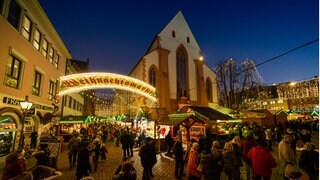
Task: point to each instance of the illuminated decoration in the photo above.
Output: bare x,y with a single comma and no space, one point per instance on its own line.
84,81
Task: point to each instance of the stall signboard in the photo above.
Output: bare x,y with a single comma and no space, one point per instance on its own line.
197,132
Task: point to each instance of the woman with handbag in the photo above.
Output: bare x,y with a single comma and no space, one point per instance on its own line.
192,166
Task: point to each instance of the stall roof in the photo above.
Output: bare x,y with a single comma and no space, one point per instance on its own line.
178,118
77,119
207,112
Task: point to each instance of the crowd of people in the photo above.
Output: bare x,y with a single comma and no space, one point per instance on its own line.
250,146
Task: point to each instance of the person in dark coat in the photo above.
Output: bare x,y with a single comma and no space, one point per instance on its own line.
125,141
33,136
15,165
83,165
309,161
169,143
97,150
218,159
148,158
42,155
178,155
208,163
131,144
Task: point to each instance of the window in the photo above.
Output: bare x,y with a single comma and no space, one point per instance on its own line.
1,6
56,61
36,39
74,104
36,83
52,90
188,39
70,102
14,14
51,55
152,77
181,72
173,34
65,100
26,28
209,89
13,71
44,49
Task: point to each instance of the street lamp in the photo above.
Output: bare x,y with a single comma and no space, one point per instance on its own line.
25,106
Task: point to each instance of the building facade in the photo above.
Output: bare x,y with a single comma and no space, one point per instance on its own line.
32,58
173,64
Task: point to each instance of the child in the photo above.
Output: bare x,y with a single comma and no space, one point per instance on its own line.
104,152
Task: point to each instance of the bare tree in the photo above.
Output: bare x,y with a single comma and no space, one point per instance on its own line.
237,83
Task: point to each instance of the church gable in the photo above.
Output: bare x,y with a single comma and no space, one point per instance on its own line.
178,30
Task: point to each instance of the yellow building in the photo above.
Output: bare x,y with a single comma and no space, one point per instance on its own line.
174,65
32,58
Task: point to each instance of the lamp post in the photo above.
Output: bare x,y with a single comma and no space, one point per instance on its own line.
25,106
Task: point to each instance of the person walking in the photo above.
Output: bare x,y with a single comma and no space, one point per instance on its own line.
178,156
218,159
34,137
193,162
208,163
246,145
83,165
125,142
73,147
286,153
231,162
169,143
97,150
148,158
261,160
309,161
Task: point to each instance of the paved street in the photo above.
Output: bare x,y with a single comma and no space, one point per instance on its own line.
163,170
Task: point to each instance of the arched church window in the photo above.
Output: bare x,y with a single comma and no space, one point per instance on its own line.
173,34
152,77
181,69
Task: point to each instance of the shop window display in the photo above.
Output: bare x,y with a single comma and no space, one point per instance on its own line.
8,130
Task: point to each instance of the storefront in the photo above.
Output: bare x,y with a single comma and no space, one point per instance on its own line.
8,130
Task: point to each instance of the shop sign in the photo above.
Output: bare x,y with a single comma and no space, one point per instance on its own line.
84,81
13,101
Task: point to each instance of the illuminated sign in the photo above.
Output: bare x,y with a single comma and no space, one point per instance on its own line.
84,81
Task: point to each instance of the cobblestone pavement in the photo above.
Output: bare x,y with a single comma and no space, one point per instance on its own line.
163,170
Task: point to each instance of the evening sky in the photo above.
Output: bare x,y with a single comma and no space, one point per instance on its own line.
115,34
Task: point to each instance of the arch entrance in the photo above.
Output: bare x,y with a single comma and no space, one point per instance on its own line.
85,81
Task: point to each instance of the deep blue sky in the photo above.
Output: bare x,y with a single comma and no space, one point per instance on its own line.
115,34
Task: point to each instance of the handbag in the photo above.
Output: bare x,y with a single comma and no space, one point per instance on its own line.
199,168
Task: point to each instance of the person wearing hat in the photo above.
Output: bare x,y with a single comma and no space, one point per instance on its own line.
309,161
286,154
148,158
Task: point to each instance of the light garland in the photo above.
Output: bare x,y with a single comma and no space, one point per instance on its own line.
85,81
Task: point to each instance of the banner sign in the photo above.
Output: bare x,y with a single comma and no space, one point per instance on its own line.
84,81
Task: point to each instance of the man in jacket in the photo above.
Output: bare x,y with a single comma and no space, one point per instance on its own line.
148,158
286,154
178,155
83,165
